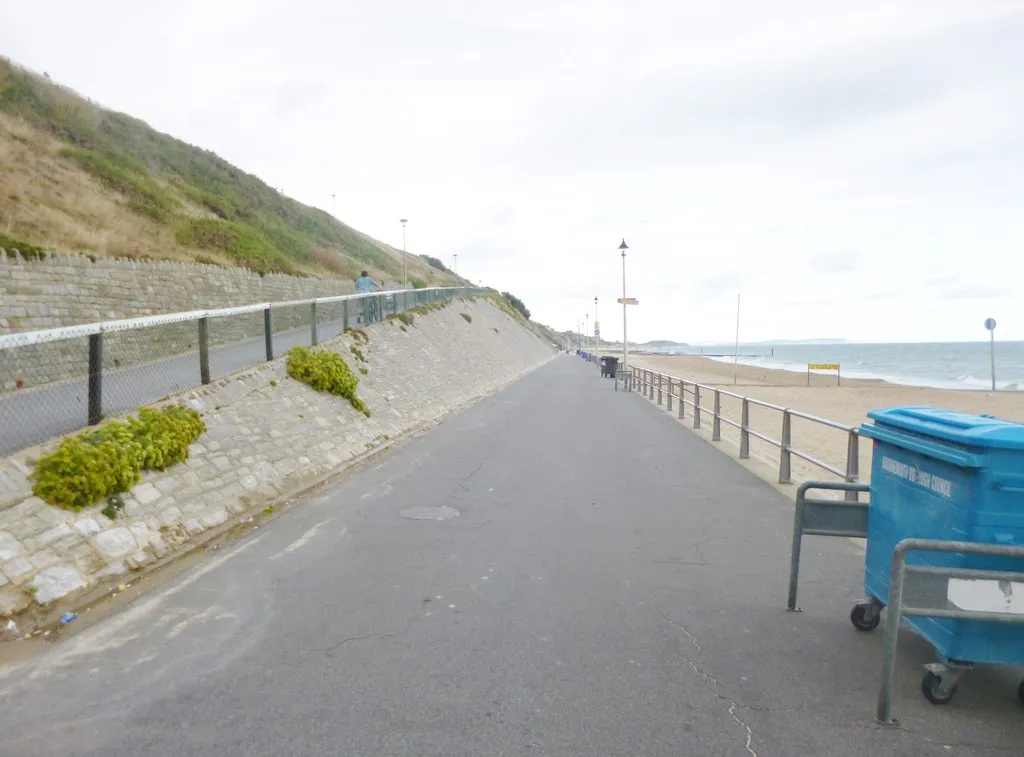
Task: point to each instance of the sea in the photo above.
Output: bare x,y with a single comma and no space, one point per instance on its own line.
944,365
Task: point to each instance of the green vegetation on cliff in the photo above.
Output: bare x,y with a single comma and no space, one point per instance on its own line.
206,203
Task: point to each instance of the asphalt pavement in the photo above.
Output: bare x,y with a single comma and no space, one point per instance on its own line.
559,570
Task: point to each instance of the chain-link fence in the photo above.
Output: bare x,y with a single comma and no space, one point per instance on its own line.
58,381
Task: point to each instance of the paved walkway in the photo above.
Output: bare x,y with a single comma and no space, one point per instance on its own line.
612,585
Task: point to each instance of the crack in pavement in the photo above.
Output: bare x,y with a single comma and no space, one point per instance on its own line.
380,635
734,706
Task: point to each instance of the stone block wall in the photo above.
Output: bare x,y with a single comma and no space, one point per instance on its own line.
68,290
267,436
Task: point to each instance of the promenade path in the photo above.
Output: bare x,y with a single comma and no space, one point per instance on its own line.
610,585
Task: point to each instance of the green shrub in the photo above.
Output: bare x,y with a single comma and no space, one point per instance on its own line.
467,317
357,353
418,283
28,251
325,371
109,460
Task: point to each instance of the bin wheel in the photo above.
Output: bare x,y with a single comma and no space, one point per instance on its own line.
865,617
931,687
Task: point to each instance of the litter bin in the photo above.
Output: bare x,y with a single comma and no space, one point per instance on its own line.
950,476
609,365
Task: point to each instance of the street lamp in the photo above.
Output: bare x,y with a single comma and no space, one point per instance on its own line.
455,264
625,341
586,334
405,255
597,329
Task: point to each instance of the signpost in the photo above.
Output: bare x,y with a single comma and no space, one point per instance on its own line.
628,301
990,324
823,367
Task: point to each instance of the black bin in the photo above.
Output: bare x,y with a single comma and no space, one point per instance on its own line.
609,365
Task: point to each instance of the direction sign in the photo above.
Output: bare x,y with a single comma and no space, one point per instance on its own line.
990,324
628,301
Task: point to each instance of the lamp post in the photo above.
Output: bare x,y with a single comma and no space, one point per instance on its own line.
597,329
586,334
625,340
455,264
405,255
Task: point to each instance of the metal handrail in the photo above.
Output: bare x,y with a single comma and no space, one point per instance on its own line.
25,338
648,381
400,299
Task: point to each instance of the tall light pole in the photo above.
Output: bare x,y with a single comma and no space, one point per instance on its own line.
625,339
405,255
990,324
334,206
455,264
586,334
597,329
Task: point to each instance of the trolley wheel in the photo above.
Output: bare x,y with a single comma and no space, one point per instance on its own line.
931,687
865,617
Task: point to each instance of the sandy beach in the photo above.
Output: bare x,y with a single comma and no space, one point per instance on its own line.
847,404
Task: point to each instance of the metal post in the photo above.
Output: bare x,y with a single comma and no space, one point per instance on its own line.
312,324
852,464
95,378
785,475
716,426
661,384
671,384
682,399
204,351
344,315
796,544
268,332
992,355
892,635
745,430
696,405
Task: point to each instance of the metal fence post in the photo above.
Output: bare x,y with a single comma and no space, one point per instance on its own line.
344,316
745,430
204,351
696,405
682,399
268,332
785,474
716,426
852,463
668,399
661,384
312,324
95,378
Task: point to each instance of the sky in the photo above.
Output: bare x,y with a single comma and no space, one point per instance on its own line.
851,170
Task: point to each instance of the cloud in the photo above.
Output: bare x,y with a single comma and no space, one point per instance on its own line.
840,261
982,292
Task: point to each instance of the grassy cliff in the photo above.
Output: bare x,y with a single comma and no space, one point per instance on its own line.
81,178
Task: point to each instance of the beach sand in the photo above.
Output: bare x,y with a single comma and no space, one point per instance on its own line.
847,404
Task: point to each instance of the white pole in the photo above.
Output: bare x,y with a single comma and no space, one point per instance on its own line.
736,352
625,338
992,356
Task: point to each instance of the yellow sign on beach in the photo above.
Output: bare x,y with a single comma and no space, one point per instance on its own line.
823,367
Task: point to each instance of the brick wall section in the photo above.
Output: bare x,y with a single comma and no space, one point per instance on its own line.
263,442
67,290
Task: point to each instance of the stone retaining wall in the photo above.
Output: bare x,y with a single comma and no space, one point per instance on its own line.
67,290
267,436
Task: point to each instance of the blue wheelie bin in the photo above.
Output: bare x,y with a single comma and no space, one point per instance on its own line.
944,475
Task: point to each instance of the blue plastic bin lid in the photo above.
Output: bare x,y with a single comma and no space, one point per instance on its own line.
953,426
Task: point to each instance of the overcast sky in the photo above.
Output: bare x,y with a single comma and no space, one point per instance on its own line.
854,169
